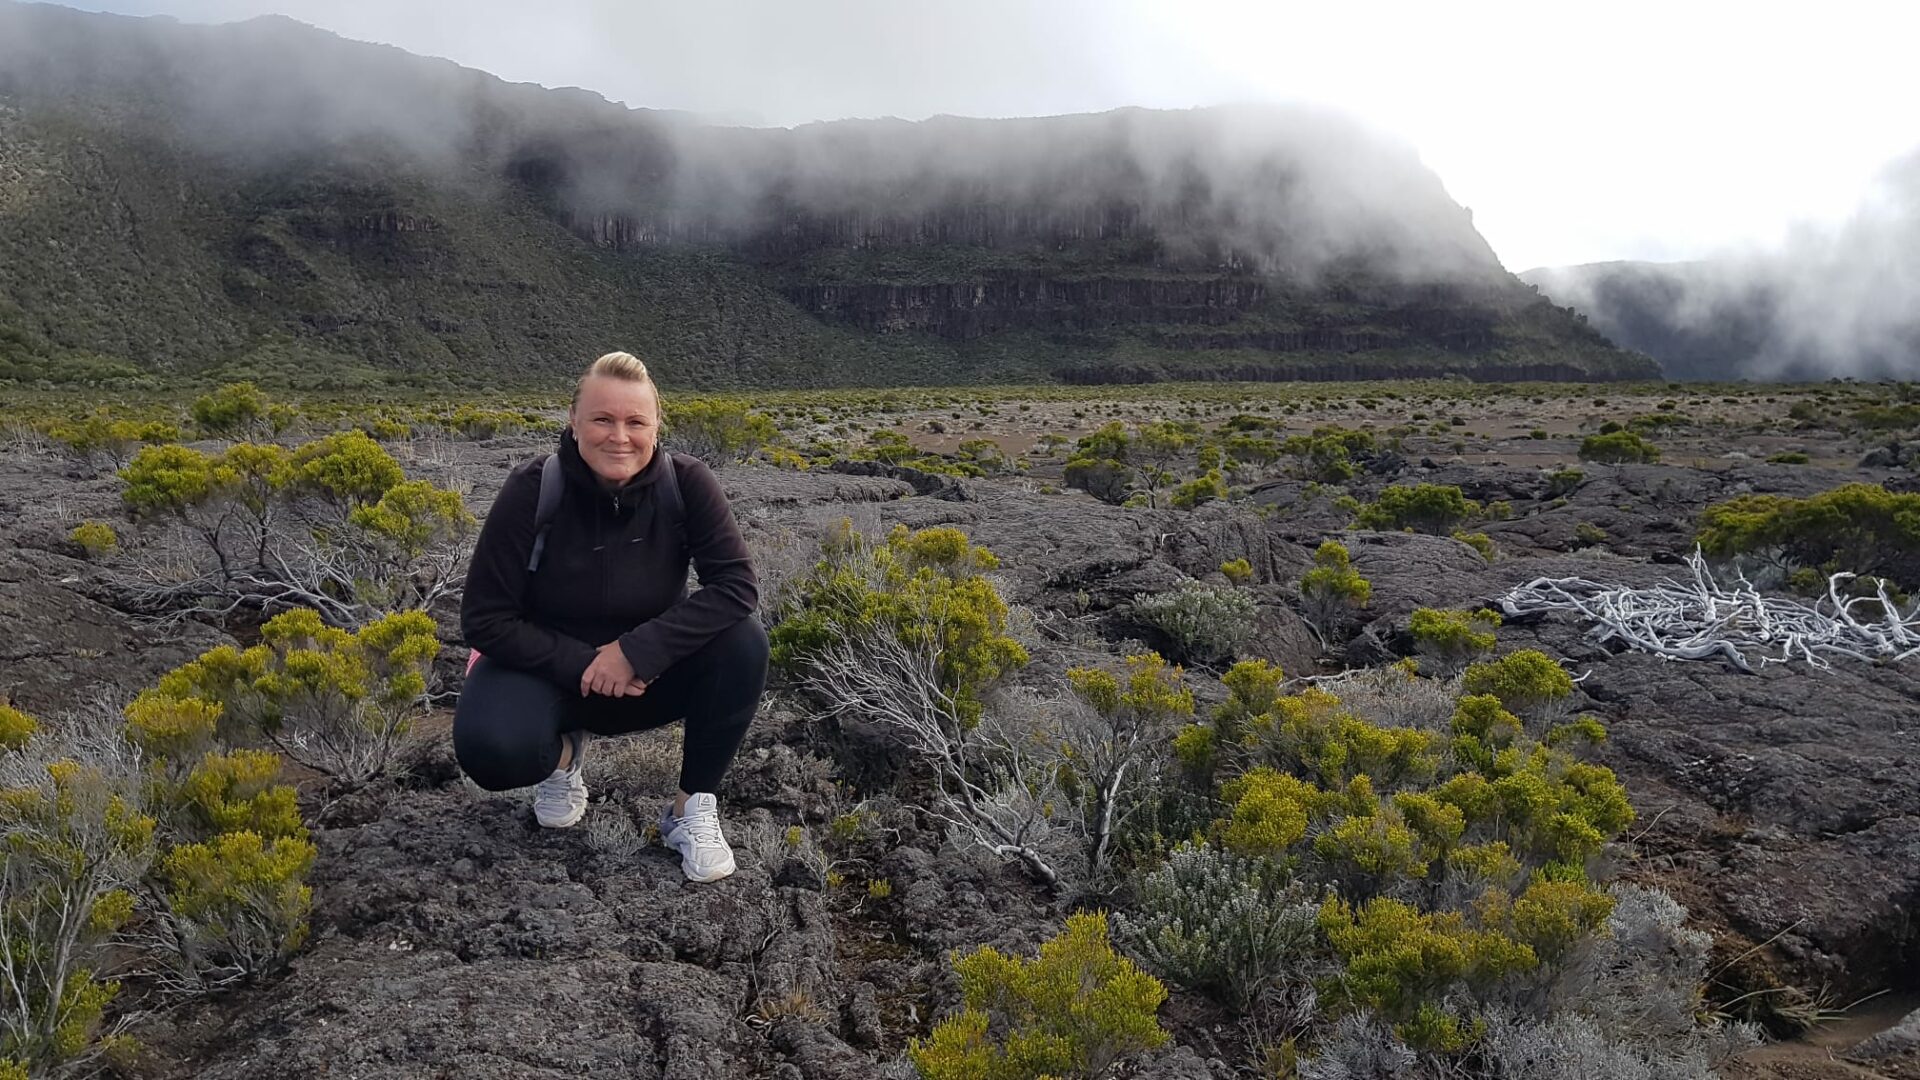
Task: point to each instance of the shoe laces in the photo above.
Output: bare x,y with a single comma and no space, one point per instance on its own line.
703,827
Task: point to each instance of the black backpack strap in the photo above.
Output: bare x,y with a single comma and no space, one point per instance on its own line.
676,507
552,485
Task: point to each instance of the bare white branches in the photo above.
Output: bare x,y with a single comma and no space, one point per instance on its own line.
990,787
1702,619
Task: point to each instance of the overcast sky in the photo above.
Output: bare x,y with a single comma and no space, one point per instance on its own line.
1627,129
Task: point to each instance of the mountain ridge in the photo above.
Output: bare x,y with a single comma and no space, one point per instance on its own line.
268,199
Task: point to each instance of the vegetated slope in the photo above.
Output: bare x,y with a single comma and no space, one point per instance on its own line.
268,199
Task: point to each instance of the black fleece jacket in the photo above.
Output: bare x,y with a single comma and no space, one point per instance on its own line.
609,571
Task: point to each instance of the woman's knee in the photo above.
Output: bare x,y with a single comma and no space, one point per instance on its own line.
498,738
494,759
743,651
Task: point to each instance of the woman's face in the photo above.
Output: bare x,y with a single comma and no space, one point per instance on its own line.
616,423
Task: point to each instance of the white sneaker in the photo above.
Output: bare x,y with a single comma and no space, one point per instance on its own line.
561,799
704,853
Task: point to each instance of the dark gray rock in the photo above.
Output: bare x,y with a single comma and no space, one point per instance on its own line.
1896,1047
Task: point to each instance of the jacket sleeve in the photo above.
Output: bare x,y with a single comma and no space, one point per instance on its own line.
491,616
728,589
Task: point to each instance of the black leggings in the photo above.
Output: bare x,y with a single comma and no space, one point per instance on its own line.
507,725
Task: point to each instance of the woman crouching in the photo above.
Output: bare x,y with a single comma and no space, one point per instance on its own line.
584,623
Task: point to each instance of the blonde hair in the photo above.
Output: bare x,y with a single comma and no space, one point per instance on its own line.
616,365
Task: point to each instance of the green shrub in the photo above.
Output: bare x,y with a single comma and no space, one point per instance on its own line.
985,454
1102,760
76,847
16,728
385,428
346,468
1453,638
102,433
1618,447
1076,1010
719,431
1525,681
167,479
1326,456
1562,482
1333,589
240,901
415,515
1099,464
781,457
334,524
1238,571
1587,534
1402,963
1857,528
1429,508
336,701
1205,488
923,587
1887,417
231,410
1788,457
1310,734
1221,923
96,538
1478,541
1199,623
1658,423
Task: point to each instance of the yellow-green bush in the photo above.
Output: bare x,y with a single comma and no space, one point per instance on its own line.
1238,571
717,430
231,409
781,457
1857,528
167,479
1075,1010
415,516
1333,588
233,875
1101,760
1452,638
333,523
1205,488
1618,447
16,728
240,791
73,843
347,467
1401,961
1428,508
1525,681
353,694
96,538
101,432
924,587
242,900
1479,542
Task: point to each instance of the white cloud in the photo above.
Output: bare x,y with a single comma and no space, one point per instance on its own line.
1629,129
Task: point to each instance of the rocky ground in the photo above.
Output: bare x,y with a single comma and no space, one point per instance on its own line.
454,938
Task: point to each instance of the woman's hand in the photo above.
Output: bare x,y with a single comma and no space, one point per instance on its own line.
610,674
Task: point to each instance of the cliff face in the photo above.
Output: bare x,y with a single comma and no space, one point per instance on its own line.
266,198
